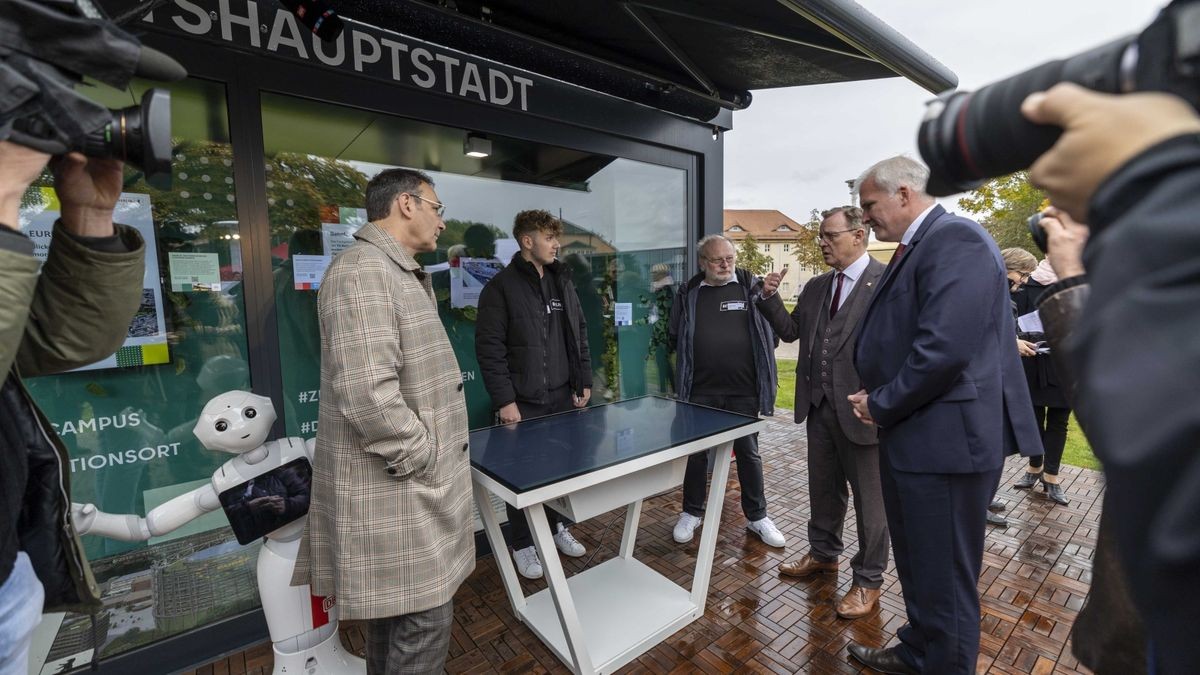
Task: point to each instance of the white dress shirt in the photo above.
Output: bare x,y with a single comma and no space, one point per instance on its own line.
852,274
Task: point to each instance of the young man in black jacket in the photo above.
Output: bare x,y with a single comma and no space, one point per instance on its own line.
531,342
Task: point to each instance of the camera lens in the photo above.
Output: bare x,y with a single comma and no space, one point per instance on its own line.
140,135
1037,232
967,137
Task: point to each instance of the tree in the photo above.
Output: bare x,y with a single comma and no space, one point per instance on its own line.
751,259
808,251
1005,203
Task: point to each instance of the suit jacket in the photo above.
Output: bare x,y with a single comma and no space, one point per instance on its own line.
802,325
389,525
937,354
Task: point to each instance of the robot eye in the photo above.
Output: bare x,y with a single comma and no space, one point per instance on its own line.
250,413
222,425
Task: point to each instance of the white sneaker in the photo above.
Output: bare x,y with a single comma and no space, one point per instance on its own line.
767,531
568,544
528,563
685,527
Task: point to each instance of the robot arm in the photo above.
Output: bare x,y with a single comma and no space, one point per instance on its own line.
161,520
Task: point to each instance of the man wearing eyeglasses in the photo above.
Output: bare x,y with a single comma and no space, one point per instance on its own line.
726,359
389,525
841,450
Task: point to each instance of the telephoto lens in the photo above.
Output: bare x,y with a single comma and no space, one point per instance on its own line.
140,135
969,137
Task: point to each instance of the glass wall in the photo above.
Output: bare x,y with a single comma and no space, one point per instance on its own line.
127,421
625,235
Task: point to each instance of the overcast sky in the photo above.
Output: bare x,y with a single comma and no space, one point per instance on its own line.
793,149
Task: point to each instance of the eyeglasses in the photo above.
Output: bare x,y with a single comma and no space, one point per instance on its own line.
832,234
728,260
438,207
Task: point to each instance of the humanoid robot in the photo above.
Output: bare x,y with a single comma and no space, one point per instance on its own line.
264,491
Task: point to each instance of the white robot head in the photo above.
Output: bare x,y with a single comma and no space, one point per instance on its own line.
235,422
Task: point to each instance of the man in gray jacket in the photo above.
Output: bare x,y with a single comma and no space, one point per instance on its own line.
841,450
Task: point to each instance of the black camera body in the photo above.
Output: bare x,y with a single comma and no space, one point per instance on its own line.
47,47
968,137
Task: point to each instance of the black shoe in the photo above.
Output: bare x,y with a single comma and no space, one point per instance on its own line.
996,519
1028,480
1054,493
996,506
883,660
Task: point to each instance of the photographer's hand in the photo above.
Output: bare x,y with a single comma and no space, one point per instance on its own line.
88,189
1065,240
1100,133
19,167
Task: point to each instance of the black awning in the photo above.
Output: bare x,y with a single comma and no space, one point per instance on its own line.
687,57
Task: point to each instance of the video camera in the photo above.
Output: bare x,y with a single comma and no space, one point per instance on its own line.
967,138
47,47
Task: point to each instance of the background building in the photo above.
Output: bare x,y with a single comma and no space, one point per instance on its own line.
776,235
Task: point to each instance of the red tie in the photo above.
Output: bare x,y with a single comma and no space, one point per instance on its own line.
837,295
899,251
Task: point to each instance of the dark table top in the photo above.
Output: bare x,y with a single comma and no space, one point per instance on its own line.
538,452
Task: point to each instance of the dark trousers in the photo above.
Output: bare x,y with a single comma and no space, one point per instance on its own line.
557,400
834,461
1053,424
937,523
410,643
749,464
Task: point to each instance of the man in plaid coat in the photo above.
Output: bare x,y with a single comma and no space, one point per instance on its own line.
389,527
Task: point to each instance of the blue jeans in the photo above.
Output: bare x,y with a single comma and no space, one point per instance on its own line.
20,612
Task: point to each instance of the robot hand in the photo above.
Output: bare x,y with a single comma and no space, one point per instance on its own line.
90,520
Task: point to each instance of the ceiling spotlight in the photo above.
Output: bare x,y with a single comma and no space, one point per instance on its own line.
477,145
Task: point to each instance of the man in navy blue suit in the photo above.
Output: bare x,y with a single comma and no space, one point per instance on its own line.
943,382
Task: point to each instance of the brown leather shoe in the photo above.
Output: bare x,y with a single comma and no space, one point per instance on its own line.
806,566
858,602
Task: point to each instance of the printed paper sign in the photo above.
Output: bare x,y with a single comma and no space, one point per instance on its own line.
146,340
308,270
194,272
337,237
623,313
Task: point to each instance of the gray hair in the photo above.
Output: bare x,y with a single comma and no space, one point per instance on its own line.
895,172
852,214
709,240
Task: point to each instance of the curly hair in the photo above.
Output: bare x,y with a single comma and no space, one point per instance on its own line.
536,220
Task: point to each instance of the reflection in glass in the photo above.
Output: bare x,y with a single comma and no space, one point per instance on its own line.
622,219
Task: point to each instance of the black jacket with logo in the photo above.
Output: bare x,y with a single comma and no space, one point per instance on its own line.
512,328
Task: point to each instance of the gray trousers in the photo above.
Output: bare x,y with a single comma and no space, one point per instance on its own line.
834,461
410,643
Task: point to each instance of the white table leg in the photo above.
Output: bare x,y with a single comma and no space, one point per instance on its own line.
495,537
633,513
709,530
568,617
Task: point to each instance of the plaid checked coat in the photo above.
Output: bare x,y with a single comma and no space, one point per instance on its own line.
389,524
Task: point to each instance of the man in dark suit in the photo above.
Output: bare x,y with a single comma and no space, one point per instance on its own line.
840,449
943,382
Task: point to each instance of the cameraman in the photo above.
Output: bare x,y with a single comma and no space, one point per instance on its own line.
1130,166
75,312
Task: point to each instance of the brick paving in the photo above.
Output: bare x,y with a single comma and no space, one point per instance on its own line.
1035,576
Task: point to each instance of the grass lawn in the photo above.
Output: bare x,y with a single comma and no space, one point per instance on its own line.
1077,453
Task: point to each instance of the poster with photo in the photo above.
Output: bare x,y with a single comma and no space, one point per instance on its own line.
468,277
146,341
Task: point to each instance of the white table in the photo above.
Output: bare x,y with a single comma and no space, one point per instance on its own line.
617,455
